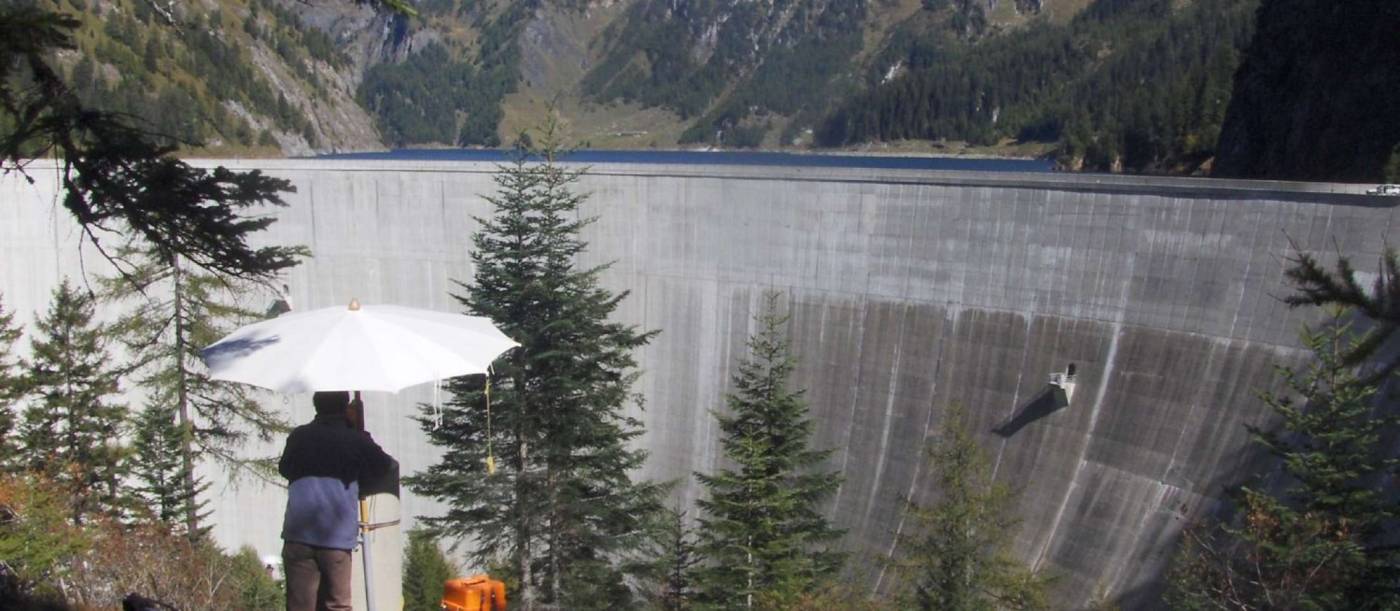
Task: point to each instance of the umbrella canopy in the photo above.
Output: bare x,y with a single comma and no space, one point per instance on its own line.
370,347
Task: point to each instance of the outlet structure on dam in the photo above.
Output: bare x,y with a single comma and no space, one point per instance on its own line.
909,291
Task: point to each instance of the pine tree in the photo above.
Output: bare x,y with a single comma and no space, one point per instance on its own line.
425,570
72,431
665,564
1322,537
11,388
957,550
159,470
762,535
1391,171
176,312
677,563
257,590
562,505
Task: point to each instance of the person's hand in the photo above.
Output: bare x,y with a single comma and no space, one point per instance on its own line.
355,413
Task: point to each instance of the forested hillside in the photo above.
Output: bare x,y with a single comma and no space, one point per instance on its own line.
1318,95
1138,85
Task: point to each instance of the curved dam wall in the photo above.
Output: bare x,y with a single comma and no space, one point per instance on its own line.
909,291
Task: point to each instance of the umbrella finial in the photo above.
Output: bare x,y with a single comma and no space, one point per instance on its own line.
354,304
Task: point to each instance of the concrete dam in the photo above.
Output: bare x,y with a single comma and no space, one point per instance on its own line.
909,291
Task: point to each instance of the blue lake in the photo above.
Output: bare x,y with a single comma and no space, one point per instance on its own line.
724,158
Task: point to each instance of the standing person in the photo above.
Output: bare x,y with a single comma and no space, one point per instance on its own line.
323,463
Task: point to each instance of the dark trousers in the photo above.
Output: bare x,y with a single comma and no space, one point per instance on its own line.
318,579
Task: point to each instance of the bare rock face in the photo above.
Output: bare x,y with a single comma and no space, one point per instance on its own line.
1317,95
550,51
342,123
368,36
337,121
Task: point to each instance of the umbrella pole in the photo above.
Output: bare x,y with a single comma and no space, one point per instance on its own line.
365,555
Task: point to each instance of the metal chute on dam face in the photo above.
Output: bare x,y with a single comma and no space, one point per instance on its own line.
909,290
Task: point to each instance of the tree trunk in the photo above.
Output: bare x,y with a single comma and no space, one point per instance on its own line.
522,528
748,577
183,401
555,524
70,453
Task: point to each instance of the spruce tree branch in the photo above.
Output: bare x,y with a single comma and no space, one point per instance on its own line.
113,172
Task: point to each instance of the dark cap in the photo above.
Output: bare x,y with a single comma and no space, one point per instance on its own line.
330,402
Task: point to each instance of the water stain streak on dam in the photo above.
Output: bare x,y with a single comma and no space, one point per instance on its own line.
909,291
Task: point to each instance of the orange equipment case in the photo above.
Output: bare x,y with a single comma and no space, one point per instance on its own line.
475,593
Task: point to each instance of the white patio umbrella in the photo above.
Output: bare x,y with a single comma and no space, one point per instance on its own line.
369,347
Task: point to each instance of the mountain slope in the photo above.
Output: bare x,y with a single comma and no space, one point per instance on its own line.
1135,84
725,61
1318,95
233,75
449,89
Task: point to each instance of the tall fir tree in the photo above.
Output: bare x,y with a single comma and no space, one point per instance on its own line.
957,551
425,570
176,311
665,564
158,448
11,388
563,505
763,537
73,429
676,563
1320,534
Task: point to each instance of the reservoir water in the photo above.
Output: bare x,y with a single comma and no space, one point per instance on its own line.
746,158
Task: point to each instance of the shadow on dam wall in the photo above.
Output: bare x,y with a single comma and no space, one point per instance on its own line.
909,291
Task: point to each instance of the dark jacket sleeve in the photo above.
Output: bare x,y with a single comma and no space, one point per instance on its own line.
286,465
373,460
379,472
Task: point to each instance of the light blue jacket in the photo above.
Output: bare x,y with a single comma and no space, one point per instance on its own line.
322,512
